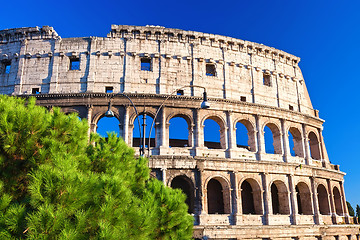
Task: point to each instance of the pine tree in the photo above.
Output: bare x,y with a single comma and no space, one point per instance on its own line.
358,212
56,184
350,209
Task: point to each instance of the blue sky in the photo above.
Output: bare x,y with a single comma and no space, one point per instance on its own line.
324,34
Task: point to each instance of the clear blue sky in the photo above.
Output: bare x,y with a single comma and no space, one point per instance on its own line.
324,34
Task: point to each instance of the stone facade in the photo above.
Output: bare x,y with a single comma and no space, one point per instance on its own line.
234,192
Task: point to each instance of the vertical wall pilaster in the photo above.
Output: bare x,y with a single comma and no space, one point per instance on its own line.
343,201
315,201
126,125
285,140
331,201
306,146
260,138
293,199
266,194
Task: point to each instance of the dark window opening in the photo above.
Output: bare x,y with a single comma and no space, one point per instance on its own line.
7,67
275,199
210,70
323,200
247,198
74,64
298,198
215,197
109,89
180,92
182,183
291,107
35,91
243,98
267,80
146,64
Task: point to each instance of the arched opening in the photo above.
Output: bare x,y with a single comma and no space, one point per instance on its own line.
137,142
215,197
186,186
279,198
272,139
295,142
179,132
242,136
214,133
323,200
251,197
247,198
303,197
337,200
106,125
314,146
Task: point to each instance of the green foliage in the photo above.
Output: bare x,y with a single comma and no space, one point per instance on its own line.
350,209
56,183
358,212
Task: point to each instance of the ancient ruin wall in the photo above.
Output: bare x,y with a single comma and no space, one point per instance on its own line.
246,82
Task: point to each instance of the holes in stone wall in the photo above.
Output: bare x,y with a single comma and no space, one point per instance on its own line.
74,63
6,66
179,132
109,89
267,79
337,201
279,198
242,136
214,134
303,197
243,98
215,197
314,146
323,200
272,139
210,70
107,125
35,91
186,186
146,64
137,142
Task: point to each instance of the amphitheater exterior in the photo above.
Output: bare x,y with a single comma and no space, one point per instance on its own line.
234,192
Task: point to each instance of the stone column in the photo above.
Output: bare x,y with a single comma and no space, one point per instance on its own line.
260,138
315,201
163,171
231,131
234,196
306,146
331,201
21,65
285,139
198,134
89,117
163,132
126,125
266,196
293,199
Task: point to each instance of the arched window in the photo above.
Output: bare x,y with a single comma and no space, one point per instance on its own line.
272,139
178,132
137,142
185,184
303,197
251,197
295,142
323,200
215,197
106,125
314,146
242,136
337,200
214,134
279,198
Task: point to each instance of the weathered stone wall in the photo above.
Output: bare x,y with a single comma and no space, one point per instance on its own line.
234,192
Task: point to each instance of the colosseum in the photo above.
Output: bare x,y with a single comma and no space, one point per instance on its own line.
234,191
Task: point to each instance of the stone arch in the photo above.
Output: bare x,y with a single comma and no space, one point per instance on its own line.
221,122
279,198
177,142
102,124
297,142
314,145
303,197
187,187
337,201
322,194
250,127
218,195
251,200
276,138
133,127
